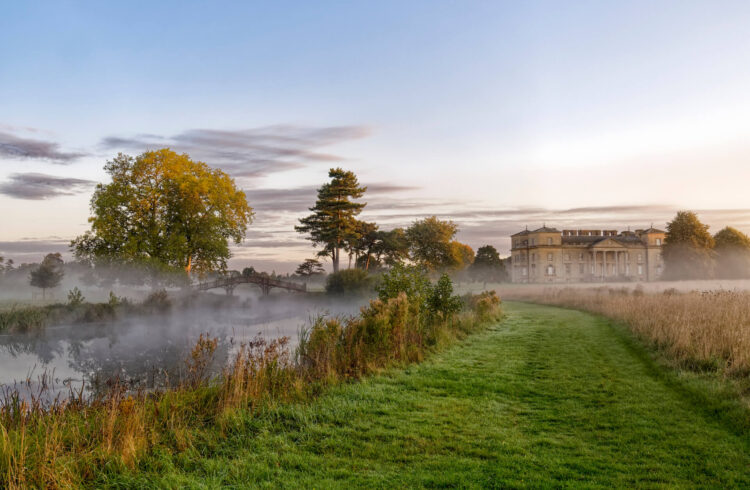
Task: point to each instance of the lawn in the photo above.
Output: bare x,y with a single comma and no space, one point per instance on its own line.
548,397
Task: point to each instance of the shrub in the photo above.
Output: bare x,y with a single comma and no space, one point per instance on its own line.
114,301
408,279
441,301
349,281
158,301
75,297
484,304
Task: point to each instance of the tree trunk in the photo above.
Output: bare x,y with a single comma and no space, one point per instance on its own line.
335,260
189,265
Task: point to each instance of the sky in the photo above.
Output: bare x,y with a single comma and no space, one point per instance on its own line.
498,115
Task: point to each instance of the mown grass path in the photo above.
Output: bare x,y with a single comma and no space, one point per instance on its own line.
548,397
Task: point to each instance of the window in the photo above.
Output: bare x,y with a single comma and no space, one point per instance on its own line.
567,257
567,269
533,257
533,240
640,257
523,271
550,270
640,270
580,269
592,268
549,257
658,241
627,269
580,257
549,241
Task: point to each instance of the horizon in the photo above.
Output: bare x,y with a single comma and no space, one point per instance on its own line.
494,115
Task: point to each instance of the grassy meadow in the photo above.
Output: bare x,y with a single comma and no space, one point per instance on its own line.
548,397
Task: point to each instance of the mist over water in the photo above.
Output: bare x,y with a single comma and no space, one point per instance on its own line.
149,351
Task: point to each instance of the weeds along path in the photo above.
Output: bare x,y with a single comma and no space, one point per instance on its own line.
547,397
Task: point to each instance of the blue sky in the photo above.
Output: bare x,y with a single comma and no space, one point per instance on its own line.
497,114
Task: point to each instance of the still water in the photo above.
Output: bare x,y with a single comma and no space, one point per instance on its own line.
146,351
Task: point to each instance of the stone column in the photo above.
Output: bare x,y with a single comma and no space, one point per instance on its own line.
617,263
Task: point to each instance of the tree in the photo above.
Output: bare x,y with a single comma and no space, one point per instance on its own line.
732,248
164,209
310,267
488,266
384,248
364,243
687,249
461,255
333,221
49,273
430,242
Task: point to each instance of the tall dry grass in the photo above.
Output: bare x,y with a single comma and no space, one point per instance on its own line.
67,442
698,330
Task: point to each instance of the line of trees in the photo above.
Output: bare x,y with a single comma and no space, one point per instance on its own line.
164,215
691,252
335,228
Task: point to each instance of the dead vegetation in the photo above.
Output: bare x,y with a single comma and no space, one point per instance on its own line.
699,330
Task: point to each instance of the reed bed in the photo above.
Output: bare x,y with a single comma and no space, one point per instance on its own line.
73,441
707,330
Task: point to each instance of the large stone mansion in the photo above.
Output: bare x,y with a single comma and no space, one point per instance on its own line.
549,255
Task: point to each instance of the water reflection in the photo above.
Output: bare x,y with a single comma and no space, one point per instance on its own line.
146,351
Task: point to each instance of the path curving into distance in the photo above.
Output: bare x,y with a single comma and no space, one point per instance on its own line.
548,397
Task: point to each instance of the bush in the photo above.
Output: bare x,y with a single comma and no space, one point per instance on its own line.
75,297
158,301
484,304
441,300
408,279
349,281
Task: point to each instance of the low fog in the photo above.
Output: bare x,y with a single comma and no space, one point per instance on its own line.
147,349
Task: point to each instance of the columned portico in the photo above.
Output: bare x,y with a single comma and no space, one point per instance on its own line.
548,255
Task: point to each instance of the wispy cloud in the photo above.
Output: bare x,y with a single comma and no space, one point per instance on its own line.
249,152
32,249
35,186
12,146
299,199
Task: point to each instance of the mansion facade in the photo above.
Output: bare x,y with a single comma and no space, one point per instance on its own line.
549,255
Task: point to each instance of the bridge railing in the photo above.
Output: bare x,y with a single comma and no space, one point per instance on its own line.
263,281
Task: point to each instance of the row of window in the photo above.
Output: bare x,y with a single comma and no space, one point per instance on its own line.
550,270
520,243
550,257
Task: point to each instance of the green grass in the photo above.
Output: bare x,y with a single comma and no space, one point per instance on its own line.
548,397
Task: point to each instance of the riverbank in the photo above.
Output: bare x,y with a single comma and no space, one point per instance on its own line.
70,443
548,397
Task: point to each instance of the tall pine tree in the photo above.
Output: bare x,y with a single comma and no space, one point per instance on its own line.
333,222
